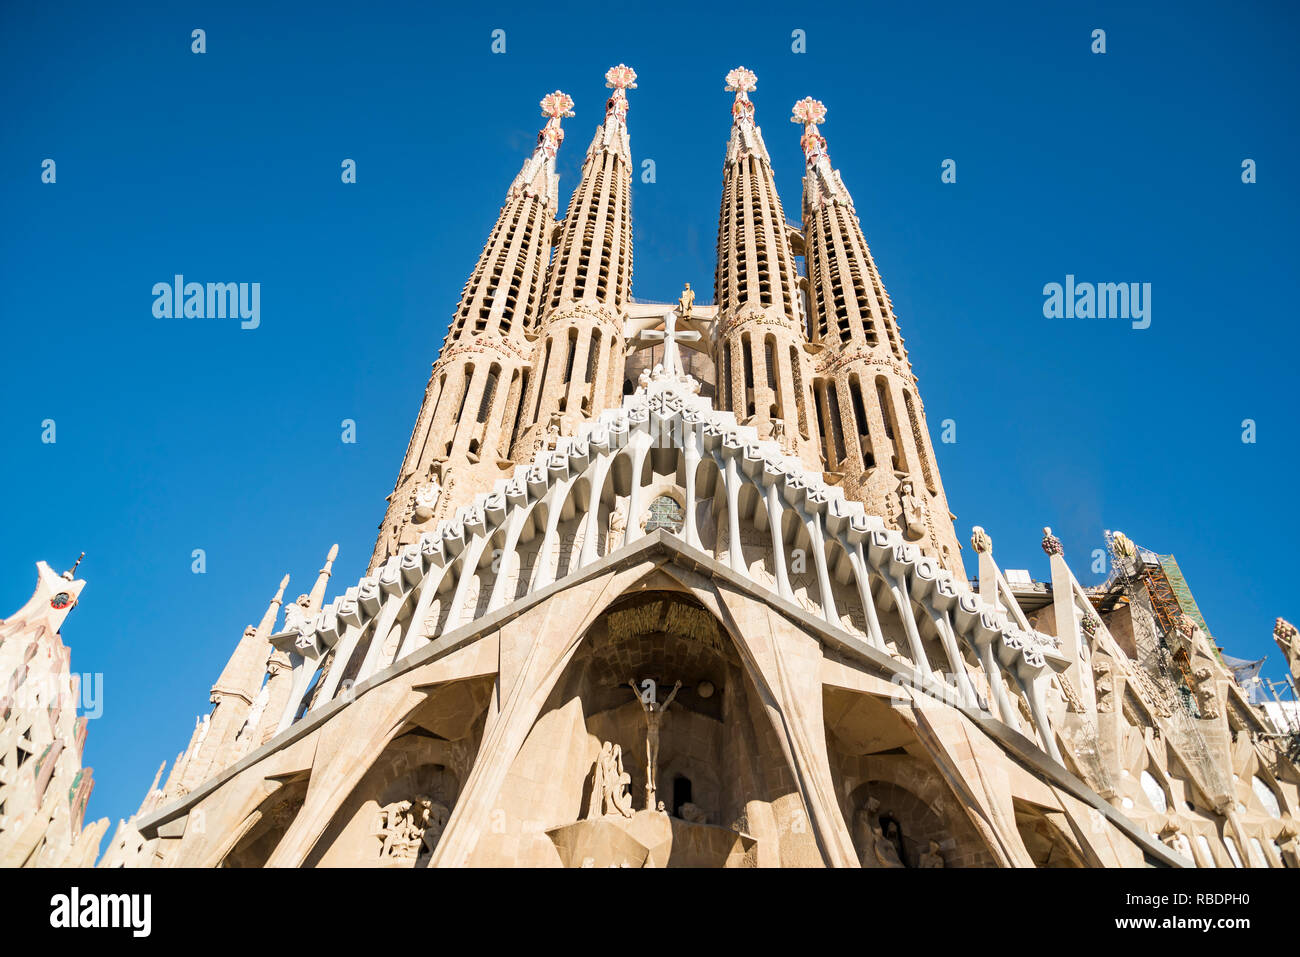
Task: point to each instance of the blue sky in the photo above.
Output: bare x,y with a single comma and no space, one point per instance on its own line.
178,434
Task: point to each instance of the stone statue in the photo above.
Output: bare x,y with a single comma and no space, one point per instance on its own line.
409,829
980,541
609,786
686,302
883,848
295,615
654,713
553,431
617,526
780,437
426,500
932,858
913,508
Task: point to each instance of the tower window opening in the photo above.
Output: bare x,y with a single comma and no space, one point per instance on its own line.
460,406
726,357
891,425
819,401
800,401
572,350
860,417
541,379
516,404
748,353
489,394
837,427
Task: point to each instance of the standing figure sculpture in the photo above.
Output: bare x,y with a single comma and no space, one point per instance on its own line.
654,712
609,793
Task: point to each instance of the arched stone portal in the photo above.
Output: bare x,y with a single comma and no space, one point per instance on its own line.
266,826
715,739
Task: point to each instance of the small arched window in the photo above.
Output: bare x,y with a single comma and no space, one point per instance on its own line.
665,512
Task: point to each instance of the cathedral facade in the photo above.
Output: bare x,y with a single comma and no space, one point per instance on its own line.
678,585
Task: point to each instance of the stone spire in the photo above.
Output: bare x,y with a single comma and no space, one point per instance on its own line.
578,356
232,696
467,419
242,676
759,349
317,596
869,416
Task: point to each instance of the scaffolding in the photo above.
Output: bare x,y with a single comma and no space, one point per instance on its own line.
1161,647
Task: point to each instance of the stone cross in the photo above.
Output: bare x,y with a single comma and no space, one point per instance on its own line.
672,363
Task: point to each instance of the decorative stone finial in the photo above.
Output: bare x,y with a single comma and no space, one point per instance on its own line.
809,113
1051,544
1283,630
1089,623
980,541
742,82
620,79
554,106
71,572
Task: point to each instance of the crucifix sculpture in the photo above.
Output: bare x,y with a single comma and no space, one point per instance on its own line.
672,364
654,712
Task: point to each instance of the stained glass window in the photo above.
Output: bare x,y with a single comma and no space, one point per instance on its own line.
665,513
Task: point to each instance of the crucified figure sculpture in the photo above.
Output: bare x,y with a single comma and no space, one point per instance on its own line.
654,712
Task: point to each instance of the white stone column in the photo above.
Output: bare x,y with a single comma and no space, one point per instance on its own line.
735,552
514,527
415,627
862,577
640,447
948,636
591,526
993,672
545,573
691,453
898,588
303,670
775,512
813,522
469,559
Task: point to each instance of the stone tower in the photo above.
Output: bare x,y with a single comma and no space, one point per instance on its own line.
579,350
463,433
869,415
761,363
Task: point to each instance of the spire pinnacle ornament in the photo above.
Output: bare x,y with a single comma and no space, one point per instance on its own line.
620,79
809,113
742,82
554,106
